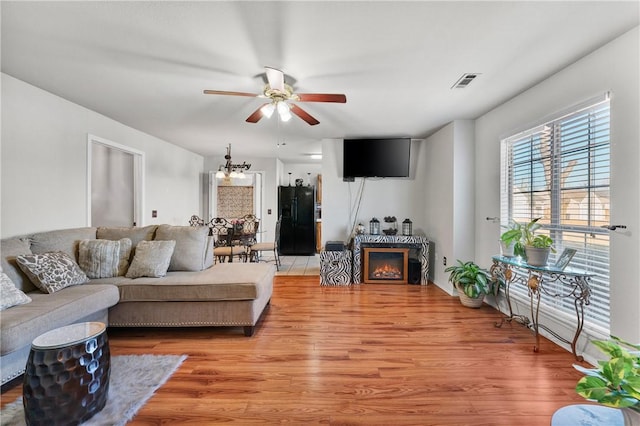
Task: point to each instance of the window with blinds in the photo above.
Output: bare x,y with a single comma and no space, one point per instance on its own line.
559,171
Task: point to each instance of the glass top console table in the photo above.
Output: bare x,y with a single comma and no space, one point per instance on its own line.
543,280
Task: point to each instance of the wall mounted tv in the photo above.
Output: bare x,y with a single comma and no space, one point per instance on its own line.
376,157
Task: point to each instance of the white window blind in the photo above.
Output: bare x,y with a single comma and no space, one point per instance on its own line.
559,171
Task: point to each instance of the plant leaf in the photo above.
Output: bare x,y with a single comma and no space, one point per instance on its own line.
617,370
617,401
610,348
511,235
632,386
624,343
481,279
593,388
588,371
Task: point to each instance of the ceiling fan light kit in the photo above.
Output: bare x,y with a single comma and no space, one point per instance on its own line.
283,111
280,95
267,110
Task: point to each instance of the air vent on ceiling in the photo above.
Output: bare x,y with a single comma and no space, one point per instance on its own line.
465,80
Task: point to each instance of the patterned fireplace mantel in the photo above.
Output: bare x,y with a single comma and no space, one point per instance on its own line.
414,241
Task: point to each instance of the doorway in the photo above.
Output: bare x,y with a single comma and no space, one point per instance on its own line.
115,182
235,197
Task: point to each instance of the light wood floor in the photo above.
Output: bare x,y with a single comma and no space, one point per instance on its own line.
360,355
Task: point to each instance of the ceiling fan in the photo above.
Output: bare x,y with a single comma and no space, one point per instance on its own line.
281,96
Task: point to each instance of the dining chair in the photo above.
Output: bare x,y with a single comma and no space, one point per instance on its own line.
223,247
258,248
196,221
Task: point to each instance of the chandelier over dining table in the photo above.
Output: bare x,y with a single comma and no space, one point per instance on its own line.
231,170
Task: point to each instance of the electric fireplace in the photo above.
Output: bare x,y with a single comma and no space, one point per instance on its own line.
385,265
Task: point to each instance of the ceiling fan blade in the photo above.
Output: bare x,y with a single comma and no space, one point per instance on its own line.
275,78
322,97
303,114
257,115
223,92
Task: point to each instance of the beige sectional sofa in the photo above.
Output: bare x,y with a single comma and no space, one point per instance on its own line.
193,292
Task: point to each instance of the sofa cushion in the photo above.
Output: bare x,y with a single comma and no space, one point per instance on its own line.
21,324
9,249
135,234
193,250
223,281
51,272
10,295
65,240
104,258
152,259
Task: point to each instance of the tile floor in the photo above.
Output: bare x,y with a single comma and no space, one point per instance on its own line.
297,265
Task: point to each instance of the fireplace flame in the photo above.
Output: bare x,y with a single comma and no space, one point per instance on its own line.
386,271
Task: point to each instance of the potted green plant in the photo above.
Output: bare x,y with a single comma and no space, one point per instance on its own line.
536,247
471,281
510,240
615,382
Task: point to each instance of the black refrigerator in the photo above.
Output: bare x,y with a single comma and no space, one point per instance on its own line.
296,209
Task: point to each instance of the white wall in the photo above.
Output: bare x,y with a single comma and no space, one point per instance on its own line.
614,67
464,189
439,207
44,164
300,171
450,194
399,197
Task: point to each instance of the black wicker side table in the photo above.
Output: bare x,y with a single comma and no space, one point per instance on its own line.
67,375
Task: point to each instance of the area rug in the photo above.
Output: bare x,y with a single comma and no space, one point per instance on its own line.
134,379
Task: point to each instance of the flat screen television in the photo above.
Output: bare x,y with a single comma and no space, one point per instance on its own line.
376,157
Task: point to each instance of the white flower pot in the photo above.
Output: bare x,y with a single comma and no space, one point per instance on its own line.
507,249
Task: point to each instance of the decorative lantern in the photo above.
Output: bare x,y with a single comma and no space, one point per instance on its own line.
406,227
374,226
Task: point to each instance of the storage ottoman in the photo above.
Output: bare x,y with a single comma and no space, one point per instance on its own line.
335,267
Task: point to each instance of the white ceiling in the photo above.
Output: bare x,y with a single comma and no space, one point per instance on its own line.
145,64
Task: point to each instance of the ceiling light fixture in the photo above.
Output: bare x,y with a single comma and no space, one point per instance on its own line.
283,108
231,170
284,111
268,109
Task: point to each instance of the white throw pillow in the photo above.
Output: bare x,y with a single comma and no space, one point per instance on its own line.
10,295
152,259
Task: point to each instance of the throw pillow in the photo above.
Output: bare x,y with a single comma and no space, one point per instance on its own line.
135,234
52,271
11,295
104,258
10,248
193,250
152,259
